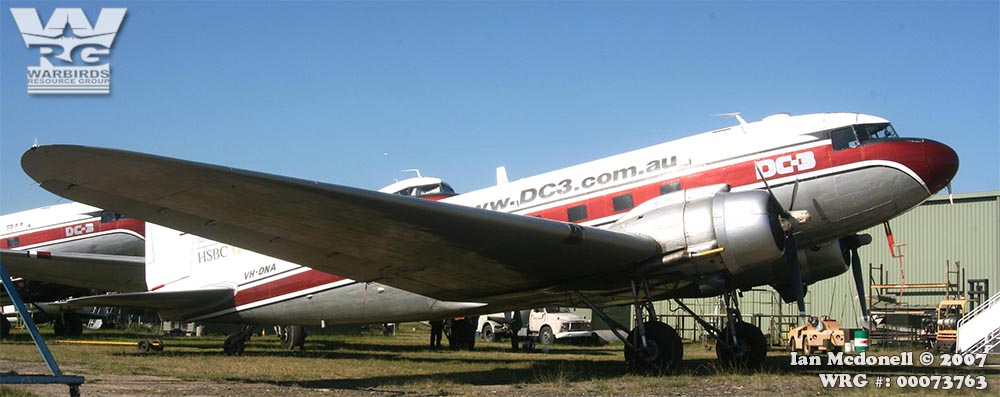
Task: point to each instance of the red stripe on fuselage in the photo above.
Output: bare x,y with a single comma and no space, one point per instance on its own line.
286,285
71,231
907,153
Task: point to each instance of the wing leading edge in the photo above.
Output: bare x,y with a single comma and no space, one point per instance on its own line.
441,250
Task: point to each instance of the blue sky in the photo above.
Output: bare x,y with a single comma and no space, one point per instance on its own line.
353,92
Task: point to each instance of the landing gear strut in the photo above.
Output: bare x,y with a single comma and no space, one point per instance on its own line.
235,343
652,345
739,344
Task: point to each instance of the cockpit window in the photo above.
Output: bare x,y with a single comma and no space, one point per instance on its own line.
855,135
875,131
424,190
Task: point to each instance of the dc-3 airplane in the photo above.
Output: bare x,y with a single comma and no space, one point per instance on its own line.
68,250
775,202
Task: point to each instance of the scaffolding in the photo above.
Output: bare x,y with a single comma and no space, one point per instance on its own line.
900,323
761,307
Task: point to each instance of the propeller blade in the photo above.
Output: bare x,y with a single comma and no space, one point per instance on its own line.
795,192
795,272
951,197
859,284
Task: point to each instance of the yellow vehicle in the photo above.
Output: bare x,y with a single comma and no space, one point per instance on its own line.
949,311
817,336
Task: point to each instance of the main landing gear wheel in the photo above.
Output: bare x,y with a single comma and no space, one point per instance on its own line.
292,337
664,349
652,346
68,325
461,335
4,327
748,351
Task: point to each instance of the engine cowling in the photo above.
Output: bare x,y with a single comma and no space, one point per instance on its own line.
817,263
707,232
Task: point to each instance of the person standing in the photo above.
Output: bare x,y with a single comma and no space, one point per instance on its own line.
437,328
515,326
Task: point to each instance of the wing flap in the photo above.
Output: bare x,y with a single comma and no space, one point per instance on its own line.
442,250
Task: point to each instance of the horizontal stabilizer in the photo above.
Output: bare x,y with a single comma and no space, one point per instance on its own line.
169,304
117,273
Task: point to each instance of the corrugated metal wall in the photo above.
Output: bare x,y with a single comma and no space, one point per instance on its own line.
934,233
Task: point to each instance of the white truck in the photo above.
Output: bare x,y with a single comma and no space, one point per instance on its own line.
548,324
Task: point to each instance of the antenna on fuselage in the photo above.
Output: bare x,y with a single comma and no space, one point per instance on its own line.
735,115
413,170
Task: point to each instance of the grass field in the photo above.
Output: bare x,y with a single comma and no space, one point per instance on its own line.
370,364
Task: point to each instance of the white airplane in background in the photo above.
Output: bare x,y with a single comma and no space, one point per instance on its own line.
775,202
66,247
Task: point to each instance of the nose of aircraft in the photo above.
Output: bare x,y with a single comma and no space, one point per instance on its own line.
941,165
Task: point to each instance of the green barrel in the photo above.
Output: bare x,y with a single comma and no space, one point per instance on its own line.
860,340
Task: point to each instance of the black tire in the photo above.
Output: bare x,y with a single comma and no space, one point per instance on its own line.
68,325
935,348
292,337
750,349
462,335
4,327
156,345
546,336
791,345
143,346
488,334
665,351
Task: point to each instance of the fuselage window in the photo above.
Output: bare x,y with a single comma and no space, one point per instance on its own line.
622,202
577,213
13,242
670,188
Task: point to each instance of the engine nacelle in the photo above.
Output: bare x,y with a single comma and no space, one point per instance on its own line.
708,230
816,263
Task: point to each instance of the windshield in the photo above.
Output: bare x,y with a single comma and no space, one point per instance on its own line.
855,135
436,188
557,310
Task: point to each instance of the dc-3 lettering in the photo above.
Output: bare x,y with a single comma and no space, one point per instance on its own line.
79,229
785,165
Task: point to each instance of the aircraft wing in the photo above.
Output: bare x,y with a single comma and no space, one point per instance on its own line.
441,250
105,272
169,304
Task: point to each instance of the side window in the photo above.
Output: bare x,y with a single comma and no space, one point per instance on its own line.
13,242
577,213
843,138
108,216
670,188
622,202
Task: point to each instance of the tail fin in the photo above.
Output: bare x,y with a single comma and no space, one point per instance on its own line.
168,256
